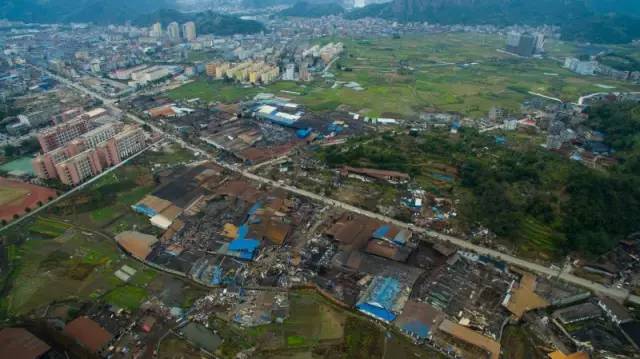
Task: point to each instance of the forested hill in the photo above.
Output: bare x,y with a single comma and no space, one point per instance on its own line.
307,9
527,196
206,22
95,11
603,21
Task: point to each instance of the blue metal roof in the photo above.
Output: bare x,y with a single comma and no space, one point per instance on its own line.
417,328
246,255
143,209
380,313
244,245
255,208
242,232
381,232
280,120
303,133
385,292
401,237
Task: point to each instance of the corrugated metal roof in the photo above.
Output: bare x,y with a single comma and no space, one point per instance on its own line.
88,333
18,343
244,244
376,312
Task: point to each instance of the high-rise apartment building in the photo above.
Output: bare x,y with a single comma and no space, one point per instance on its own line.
72,153
523,44
189,31
156,30
61,134
173,31
126,143
100,134
78,168
289,72
210,69
44,165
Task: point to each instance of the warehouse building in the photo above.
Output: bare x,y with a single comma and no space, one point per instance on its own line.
383,299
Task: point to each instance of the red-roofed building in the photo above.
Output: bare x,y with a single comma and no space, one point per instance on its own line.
88,333
19,343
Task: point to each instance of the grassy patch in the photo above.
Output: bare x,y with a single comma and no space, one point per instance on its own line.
217,90
48,227
73,266
127,296
174,347
103,214
143,277
460,72
295,341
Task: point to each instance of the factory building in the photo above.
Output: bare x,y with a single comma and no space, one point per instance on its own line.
383,299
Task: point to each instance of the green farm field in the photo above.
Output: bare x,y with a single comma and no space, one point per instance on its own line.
67,253
75,265
447,72
317,326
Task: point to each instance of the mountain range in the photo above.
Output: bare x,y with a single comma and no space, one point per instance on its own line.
585,20
139,12
307,9
598,21
207,22
95,11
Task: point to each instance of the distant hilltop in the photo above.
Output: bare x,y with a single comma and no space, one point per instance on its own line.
94,11
603,21
139,12
206,22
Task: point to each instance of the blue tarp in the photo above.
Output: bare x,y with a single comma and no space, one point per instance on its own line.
334,128
246,255
376,312
303,133
142,209
417,328
244,245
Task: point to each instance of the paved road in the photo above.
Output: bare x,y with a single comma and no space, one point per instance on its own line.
461,243
267,163
491,128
